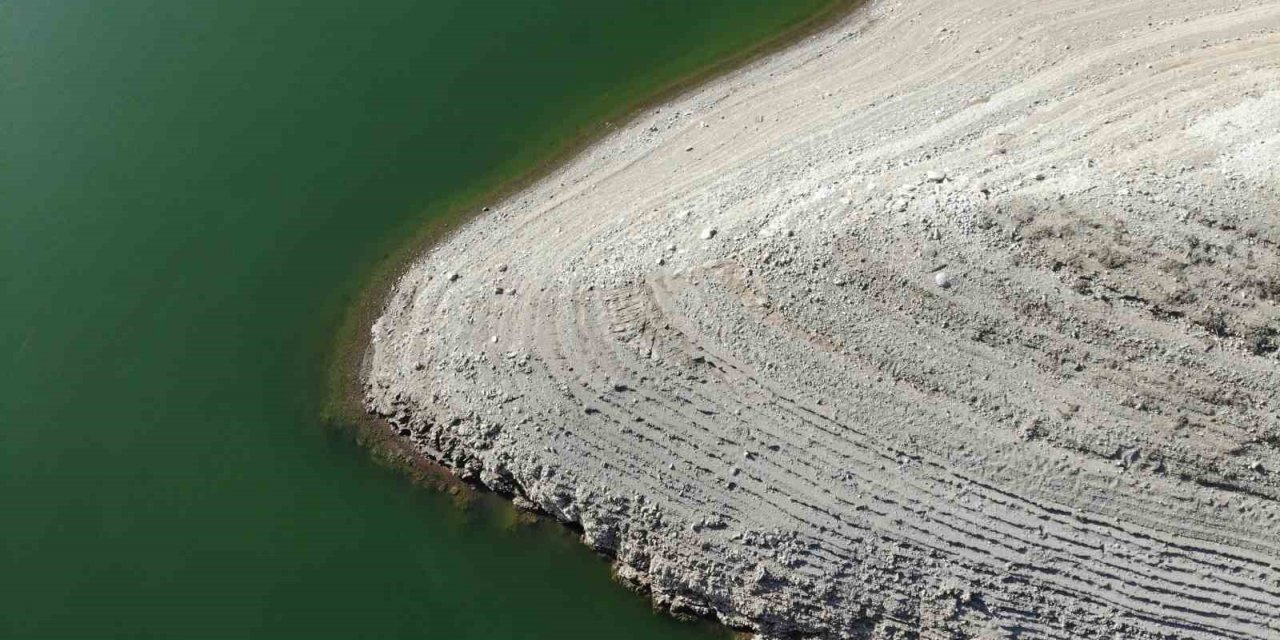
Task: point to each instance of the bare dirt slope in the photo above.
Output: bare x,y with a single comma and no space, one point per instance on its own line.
957,320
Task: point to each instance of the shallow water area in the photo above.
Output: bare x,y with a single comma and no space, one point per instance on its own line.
193,196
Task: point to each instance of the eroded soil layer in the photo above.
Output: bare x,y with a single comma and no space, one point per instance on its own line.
957,320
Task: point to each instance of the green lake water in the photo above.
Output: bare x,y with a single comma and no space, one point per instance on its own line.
191,194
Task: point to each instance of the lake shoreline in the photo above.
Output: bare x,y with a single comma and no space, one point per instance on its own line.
344,406
197,194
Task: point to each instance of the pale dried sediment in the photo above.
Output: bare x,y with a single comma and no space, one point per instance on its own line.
795,424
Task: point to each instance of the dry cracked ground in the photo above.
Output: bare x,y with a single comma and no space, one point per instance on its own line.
957,320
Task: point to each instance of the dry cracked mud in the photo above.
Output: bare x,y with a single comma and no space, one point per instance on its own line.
957,320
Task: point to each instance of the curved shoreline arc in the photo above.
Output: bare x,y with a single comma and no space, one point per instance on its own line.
345,356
